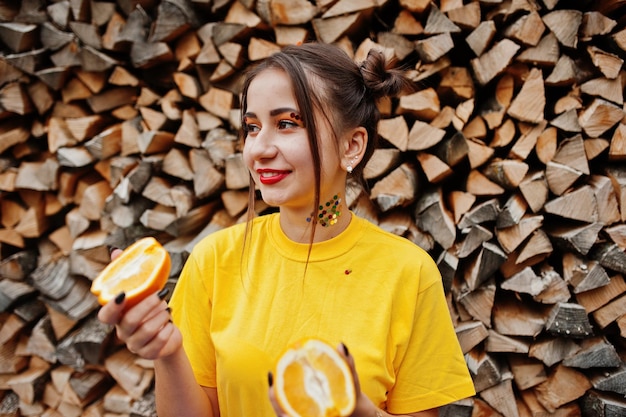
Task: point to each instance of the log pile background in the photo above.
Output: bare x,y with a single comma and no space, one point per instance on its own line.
119,119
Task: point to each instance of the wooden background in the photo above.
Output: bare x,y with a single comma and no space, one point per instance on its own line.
119,119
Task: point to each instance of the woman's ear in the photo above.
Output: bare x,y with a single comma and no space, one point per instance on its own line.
355,146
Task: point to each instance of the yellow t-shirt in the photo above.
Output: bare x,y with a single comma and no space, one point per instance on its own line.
378,293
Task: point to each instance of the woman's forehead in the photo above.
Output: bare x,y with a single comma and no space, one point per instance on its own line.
271,84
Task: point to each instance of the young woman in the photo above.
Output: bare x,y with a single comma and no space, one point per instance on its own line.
312,269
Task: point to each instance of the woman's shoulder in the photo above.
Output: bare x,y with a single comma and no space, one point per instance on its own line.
391,241
230,235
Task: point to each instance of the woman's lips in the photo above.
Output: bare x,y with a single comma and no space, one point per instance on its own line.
268,177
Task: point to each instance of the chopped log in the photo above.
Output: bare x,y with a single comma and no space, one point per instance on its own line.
434,47
583,276
569,319
527,372
438,23
510,238
453,150
383,160
608,64
514,318
407,24
479,185
486,370
552,350
546,53
504,134
422,136
529,104
29,384
617,234
576,238
460,202
610,256
434,218
528,139
610,312
237,175
599,116
596,352
526,281
493,62
474,239
134,379
512,212
19,37
478,153
486,211
564,24
423,104
397,189
500,343
594,299
435,169
506,173
617,149
527,29
569,205
599,404
396,131
470,334
478,303
501,397
285,12
481,37
483,264
614,381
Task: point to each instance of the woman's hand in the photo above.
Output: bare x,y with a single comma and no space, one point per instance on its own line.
146,328
364,406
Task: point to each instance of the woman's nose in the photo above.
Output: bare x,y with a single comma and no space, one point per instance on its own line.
262,144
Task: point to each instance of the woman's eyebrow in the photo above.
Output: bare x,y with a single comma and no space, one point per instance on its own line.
282,110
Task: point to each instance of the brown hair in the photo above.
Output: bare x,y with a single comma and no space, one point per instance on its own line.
326,79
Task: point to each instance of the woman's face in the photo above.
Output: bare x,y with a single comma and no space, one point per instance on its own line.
276,149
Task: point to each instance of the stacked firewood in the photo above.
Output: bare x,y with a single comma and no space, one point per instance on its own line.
120,119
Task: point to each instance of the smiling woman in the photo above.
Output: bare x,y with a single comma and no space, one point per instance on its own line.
311,270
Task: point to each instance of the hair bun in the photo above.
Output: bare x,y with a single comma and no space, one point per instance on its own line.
380,78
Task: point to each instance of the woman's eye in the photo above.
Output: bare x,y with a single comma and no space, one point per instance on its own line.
287,124
251,128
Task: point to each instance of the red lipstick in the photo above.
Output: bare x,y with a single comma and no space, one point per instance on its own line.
269,176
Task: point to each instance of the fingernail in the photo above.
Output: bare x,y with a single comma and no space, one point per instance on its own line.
270,379
345,349
163,293
111,249
120,297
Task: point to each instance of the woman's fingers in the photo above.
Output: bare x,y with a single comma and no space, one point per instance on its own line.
273,400
343,350
112,312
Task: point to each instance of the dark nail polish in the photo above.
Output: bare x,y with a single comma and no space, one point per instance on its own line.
169,310
111,249
120,298
345,349
270,379
163,293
